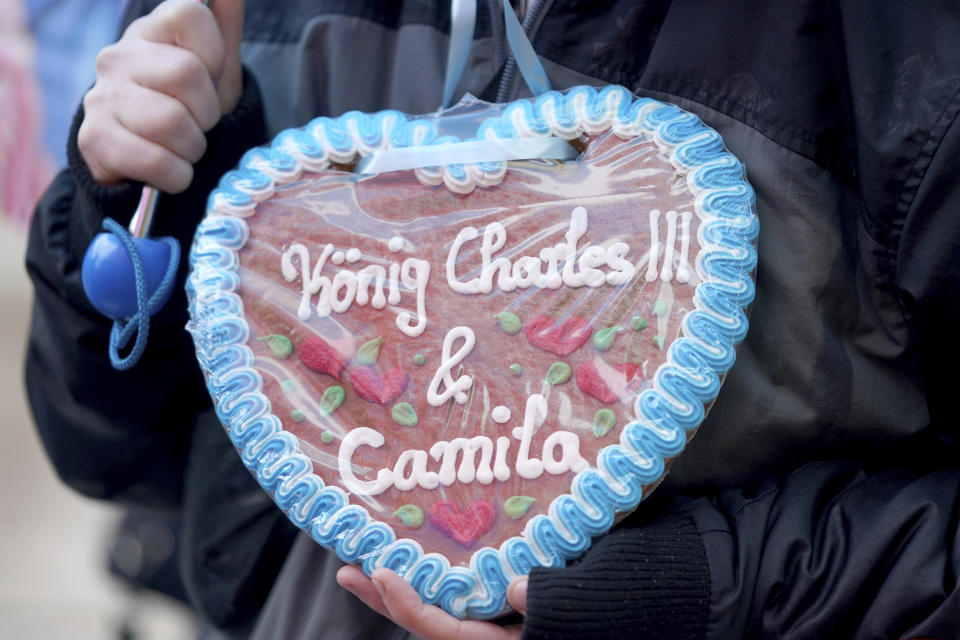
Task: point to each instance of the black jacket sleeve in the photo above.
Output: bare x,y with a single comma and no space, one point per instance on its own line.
148,435
117,434
831,551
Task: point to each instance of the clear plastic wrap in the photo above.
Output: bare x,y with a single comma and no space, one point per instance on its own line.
462,372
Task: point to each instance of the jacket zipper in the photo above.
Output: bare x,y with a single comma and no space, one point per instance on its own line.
530,17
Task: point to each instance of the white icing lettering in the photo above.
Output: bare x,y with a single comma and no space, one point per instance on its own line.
473,286
570,458
457,389
666,273
446,454
458,458
501,470
414,273
533,417
500,414
346,287
553,267
654,255
672,258
361,436
683,270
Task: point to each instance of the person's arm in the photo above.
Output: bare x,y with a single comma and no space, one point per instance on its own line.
834,549
831,551
124,434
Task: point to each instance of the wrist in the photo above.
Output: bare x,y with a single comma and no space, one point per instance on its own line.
648,581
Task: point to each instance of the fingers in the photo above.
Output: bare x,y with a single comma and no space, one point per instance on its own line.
351,578
517,594
187,25
407,609
389,595
169,79
166,69
229,16
113,153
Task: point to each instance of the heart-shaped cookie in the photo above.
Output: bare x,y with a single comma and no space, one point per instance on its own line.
464,372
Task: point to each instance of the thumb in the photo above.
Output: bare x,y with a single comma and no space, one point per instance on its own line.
229,17
517,594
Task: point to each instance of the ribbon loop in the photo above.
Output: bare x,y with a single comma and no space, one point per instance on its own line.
527,60
472,151
463,19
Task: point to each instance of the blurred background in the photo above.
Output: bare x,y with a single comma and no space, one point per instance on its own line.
69,567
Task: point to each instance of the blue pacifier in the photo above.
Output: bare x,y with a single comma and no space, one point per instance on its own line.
129,277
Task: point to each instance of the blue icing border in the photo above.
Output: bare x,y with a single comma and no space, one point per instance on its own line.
665,414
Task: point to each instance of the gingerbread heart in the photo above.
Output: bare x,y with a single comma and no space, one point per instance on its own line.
466,371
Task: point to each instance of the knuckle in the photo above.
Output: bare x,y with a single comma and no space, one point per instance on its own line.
171,121
172,15
87,141
186,69
107,58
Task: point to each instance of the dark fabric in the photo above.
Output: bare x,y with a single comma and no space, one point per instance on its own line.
645,582
832,551
235,537
307,603
822,485
117,434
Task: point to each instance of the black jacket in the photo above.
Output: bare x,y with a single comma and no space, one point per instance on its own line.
819,499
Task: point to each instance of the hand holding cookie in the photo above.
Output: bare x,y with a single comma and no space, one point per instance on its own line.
167,81
387,594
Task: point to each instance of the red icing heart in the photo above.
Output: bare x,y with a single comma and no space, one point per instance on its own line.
464,527
374,387
605,383
561,339
320,357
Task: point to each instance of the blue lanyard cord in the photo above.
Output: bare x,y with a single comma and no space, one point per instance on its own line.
139,323
463,18
527,61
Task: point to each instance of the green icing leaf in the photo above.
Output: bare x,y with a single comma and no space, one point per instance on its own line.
403,413
326,437
369,351
558,373
659,308
297,415
280,346
516,369
638,323
411,515
288,385
658,341
419,359
517,506
509,322
332,399
603,422
604,338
